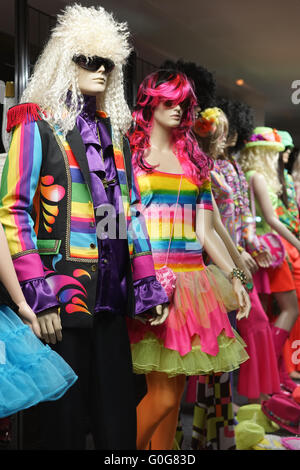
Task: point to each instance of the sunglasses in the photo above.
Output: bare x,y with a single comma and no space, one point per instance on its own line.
184,104
92,64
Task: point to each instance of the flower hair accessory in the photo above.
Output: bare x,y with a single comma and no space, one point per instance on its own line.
207,122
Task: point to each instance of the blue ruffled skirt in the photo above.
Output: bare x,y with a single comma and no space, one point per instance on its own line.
30,372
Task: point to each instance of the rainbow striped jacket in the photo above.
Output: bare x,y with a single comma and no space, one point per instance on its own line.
47,212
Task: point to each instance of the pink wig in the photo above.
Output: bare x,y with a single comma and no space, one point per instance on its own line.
171,88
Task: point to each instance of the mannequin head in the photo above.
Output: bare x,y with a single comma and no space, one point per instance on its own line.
168,116
284,156
264,160
93,74
166,98
283,161
211,129
287,142
89,33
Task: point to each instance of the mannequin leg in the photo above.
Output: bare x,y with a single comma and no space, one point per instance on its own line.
111,401
213,423
160,400
288,305
164,435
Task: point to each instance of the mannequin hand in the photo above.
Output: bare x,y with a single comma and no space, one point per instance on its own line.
264,259
159,315
249,262
242,298
50,324
29,318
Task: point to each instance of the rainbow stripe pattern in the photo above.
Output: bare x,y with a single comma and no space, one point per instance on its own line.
20,179
83,239
159,193
138,240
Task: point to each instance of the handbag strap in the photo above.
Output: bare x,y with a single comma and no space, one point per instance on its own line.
173,225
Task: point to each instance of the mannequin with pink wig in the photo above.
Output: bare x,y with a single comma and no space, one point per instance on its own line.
173,177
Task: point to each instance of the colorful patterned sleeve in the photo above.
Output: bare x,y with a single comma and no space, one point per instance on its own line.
204,199
148,291
19,182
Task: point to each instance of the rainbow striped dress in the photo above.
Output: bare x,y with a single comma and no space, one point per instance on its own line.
197,337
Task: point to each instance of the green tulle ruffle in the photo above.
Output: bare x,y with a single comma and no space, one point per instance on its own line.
150,355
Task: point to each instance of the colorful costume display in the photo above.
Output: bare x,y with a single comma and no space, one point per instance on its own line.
228,181
65,169
174,183
260,156
197,337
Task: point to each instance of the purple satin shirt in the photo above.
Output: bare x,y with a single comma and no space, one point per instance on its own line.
113,253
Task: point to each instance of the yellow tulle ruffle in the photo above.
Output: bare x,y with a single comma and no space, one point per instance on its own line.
150,355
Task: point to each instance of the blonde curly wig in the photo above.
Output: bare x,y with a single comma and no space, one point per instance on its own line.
87,31
263,160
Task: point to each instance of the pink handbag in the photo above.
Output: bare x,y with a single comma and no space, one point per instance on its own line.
166,275
273,242
269,240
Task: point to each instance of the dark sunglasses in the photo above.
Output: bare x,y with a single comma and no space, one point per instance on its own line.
184,104
92,64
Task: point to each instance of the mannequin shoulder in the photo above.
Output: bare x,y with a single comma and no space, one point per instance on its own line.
258,178
23,113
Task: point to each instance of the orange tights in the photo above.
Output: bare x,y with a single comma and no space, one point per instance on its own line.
157,413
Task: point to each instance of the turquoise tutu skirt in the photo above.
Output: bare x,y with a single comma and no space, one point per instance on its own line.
30,372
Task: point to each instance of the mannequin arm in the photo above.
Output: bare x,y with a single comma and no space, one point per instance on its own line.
217,251
263,199
20,181
228,242
10,281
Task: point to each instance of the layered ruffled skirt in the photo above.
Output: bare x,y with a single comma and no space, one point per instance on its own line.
29,371
196,338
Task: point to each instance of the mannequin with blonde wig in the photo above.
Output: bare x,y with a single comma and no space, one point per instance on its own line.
91,32
265,162
68,204
259,161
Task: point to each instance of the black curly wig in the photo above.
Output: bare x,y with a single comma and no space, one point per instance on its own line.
204,82
240,118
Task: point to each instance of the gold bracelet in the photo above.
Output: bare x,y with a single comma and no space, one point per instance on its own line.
239,274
